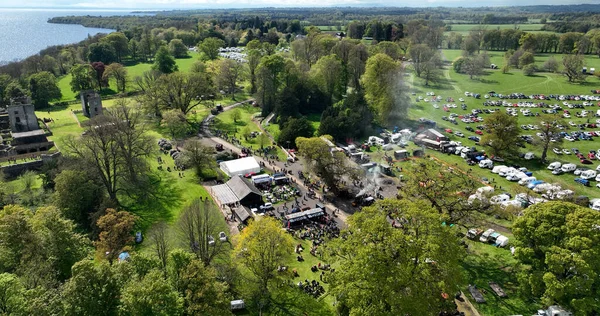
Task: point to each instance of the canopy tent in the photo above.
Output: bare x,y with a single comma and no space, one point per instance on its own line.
240,166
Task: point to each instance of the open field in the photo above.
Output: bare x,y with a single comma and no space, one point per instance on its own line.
135,70
544,83
466,28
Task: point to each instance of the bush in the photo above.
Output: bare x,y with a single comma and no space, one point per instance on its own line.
529,70
551,65
458,65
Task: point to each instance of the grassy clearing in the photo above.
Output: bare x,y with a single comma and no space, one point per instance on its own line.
133,70
225,122
466,28
486,263
544,83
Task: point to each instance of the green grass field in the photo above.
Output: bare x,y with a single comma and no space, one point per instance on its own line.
184,64
466,28
515,81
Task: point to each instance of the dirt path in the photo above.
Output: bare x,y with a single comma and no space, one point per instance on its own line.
466,306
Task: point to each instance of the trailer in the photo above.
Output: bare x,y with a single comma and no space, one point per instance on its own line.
476,294
497,289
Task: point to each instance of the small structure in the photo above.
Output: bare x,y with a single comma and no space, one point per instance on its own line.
91,103
476,294
237,305
497,289
22,118
237,191
240,166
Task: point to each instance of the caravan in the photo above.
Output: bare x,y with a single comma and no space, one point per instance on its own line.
486,164
570,167
526,181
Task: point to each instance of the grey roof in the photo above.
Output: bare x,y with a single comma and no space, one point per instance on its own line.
224,194
36,132
242,187
241,213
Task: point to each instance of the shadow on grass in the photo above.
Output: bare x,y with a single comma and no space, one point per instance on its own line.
156,202
293,301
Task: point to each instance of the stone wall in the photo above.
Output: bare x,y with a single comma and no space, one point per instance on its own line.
13,171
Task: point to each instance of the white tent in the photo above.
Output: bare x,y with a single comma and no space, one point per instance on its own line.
501,241
240,166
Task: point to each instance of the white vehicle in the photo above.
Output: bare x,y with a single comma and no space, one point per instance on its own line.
486,163
222,237
486,235
374,140
598,168
498,169
595,204
516,177
497,199
569,167
485,190
529,156
554,165
588,174
541,188
266,206
526,181
566,151
211,240
507,172
569,138
557,151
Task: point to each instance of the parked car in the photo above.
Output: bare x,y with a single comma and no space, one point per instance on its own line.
222,237
211,240
459,134
583,181
557,151
474,138
566,151
478,132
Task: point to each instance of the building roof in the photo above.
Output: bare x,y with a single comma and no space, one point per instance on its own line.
224,194
242,187
36,132
241,213
240,166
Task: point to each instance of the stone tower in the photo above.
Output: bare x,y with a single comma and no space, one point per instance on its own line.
91,103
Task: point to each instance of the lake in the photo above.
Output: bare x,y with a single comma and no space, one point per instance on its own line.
24,32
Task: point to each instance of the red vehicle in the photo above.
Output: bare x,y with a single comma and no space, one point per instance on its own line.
478,132
580,155
591,156
447,130
585,162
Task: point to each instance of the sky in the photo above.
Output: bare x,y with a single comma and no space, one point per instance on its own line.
194,4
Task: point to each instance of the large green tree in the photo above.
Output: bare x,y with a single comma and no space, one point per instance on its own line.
164,61
557,242
269,81
210,47
151,295
331,166
116,234
120,44
395,271
102,52
93,290
82,77
328,74
383,89
501,135
77,196
294,128
43,88
261,248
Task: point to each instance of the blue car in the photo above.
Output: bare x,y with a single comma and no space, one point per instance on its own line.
474,138
534,184
583,181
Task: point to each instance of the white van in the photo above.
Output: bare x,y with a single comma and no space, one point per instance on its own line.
507,172
595,204
529,156
588,174
497,169
554,165
570,167
499,198
485,190
387,147
373,140
486,163
526,181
